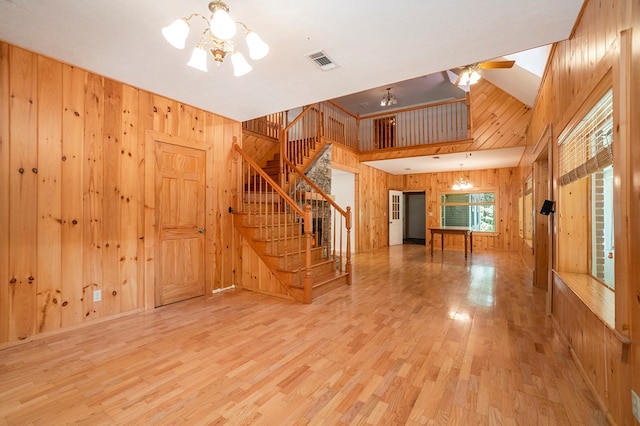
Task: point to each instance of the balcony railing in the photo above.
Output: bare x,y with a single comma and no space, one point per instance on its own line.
436,123
446,121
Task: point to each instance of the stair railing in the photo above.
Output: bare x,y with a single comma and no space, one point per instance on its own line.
331,225
276,219
299,137
269,125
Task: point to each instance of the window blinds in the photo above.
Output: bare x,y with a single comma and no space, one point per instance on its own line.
589,147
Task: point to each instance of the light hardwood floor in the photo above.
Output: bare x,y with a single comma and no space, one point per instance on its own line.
414,340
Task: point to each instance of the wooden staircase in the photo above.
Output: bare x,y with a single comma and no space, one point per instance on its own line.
306,263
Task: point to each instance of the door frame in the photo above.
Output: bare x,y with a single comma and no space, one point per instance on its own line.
407,195
543,152
150,213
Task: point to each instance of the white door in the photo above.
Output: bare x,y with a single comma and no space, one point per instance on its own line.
396,215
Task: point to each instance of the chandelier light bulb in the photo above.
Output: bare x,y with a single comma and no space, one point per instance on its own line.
464,78
461,183
240,65
198,59
176,33
222,26
474,77
258,49
388,99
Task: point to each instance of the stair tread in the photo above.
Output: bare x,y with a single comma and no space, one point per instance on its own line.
293,252
327,277
322,262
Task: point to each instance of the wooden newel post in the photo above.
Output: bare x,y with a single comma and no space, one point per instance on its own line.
308,227
236,176
348,264
283,152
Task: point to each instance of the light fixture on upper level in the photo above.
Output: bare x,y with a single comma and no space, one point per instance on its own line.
216,39
462,183
388,99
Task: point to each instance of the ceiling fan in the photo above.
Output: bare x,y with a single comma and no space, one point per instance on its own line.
470,74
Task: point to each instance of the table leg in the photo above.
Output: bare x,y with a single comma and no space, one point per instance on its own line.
465,245
431,243
471,241
442,241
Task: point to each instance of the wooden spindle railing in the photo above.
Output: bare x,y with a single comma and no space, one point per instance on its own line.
446,121
269,125
339,125
276,220
331,224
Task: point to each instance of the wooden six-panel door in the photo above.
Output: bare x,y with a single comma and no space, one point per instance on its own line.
180,207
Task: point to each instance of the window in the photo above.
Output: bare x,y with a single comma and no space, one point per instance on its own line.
586,194
602,249
475,210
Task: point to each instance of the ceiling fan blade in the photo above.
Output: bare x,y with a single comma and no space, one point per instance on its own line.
496,64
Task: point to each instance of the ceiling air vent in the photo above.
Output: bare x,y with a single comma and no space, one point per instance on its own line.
322,60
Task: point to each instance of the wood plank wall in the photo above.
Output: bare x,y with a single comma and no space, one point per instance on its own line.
498,119
600,44
503,181
72,151
373,185
370,214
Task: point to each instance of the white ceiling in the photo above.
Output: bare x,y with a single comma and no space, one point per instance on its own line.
376,43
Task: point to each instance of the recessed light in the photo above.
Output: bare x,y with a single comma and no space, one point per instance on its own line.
407,168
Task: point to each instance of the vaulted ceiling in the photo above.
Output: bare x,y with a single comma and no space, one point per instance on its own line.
375,44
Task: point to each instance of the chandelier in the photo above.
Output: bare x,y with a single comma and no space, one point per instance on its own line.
388,99
462,183
216,39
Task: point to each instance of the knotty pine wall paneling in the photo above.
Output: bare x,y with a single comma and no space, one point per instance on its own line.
93,172
576,66
112,146
370,215
72,193
130,205
503,181
72,160
49,248
634,193
4,191
23,186
499,120
373,208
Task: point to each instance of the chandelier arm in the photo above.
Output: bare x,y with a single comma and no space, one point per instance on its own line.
193,15
247,29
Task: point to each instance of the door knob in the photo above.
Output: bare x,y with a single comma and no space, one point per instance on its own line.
202,230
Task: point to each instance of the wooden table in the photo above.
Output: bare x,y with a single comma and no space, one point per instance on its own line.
467,232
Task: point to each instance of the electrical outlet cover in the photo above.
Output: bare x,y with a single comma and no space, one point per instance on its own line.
97,295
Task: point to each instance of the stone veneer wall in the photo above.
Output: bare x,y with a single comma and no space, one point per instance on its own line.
319,172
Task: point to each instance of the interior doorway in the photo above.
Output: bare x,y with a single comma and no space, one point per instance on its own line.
415,218
343,189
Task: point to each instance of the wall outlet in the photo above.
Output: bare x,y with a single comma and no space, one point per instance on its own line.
635,405
97,295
